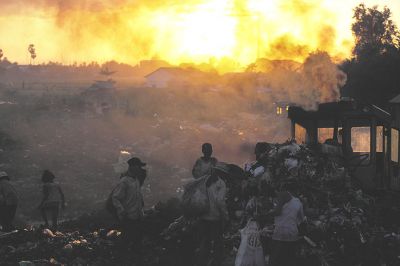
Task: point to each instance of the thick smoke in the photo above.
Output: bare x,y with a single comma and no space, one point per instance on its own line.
129,30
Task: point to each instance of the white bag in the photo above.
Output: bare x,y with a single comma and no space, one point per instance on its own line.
250,251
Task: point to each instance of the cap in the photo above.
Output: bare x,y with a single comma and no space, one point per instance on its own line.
135,161
223,167
3,174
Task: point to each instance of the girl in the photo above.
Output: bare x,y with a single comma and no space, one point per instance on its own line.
53,199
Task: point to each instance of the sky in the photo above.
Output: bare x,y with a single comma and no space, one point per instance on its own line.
223,32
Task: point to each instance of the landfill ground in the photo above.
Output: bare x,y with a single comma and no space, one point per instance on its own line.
346,226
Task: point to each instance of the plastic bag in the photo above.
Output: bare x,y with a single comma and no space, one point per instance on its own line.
250,251
195,200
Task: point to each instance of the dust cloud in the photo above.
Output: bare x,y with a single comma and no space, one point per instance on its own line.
55,125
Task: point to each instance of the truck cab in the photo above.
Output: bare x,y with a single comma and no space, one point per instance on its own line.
364,134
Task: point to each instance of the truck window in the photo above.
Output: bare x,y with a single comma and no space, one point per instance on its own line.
395,145
300,134
327,133
361,139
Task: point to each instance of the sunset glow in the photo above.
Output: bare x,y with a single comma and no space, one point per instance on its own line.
196,31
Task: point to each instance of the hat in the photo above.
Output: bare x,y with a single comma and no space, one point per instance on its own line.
135,161
3,174
223,167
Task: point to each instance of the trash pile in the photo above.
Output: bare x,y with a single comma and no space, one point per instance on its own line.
345,225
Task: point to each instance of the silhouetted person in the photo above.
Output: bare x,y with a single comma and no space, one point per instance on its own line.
53,199
8,202
128,201
288,216
204,164
211,224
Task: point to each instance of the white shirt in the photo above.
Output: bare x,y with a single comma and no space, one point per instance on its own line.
286,223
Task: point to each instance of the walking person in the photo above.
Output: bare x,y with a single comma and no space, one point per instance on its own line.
8,202
128,201
288,216
205,163
211,224
53,199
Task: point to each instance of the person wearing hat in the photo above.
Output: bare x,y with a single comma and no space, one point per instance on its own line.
212,223
204,164
53,199
128,201
8,202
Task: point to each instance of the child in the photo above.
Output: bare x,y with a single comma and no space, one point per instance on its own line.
53,199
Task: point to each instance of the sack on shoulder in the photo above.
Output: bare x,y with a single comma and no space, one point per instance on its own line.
195,200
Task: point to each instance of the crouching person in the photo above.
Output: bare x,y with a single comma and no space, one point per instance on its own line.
8,202
212,223
128,202
288,216
53,199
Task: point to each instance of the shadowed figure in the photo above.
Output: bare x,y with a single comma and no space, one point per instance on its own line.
204,164
53,199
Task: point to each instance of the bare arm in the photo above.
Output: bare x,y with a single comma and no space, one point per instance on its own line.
196,169
45,195
117,196
62,196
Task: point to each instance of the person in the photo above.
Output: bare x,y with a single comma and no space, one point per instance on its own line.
258,167
128,201
212,223
53,199
288,216
8,202
205,163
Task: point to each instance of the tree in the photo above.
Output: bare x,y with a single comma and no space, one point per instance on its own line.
373,74
374,31
32,51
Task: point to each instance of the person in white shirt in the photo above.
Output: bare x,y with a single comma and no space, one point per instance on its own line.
205,163
212,223
8,202
128,201
288,216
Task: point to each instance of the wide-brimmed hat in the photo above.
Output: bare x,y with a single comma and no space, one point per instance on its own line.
135,161
223,167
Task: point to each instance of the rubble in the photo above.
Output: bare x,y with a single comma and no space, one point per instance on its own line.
346,225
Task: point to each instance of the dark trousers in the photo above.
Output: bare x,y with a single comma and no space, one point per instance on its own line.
283,253
211,240
132,238
7,214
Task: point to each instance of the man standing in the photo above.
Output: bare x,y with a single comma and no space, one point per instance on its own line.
204,164
8,202
212,223
288,216
128,202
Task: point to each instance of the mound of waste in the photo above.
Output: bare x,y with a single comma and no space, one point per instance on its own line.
345,225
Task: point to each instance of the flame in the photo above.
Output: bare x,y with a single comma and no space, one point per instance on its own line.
224,33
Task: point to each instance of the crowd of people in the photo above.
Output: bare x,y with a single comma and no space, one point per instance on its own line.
127,204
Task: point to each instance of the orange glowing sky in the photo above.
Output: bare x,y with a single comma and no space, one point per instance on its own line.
236,32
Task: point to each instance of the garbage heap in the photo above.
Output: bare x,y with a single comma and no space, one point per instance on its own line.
346,226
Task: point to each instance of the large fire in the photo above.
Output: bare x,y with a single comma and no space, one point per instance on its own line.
225,33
